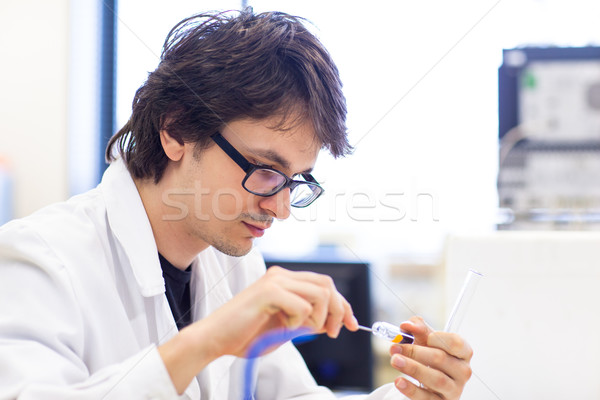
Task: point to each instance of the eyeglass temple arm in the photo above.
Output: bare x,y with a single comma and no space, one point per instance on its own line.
231,151
310,178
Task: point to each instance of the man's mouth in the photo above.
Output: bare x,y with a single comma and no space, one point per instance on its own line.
255,229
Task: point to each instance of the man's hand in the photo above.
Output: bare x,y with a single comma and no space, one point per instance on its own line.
279,299
439,360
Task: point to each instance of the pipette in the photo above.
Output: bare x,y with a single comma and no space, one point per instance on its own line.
393,333
389,332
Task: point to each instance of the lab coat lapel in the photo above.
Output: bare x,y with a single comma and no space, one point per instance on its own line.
210,290
129,223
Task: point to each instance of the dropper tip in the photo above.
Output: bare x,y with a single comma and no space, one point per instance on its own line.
364,328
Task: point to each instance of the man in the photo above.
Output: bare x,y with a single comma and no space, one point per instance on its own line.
148,286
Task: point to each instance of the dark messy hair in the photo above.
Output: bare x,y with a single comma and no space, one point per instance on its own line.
217,68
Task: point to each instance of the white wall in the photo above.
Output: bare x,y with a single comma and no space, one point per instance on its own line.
49,77
33,100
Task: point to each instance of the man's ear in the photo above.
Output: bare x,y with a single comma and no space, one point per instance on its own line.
173,149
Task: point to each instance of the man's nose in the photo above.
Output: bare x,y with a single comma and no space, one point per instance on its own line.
277,205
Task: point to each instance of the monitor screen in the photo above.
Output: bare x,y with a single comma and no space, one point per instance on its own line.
345,363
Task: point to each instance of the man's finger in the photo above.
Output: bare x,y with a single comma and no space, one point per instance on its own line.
434,380
413,391
437,359
451,343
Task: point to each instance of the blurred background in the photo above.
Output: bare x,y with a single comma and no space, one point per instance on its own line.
476,124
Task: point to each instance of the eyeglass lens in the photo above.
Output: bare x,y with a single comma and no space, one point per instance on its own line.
302,195
266,181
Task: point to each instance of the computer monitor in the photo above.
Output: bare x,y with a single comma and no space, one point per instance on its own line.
345,363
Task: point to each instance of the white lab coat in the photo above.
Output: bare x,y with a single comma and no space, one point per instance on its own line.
82,307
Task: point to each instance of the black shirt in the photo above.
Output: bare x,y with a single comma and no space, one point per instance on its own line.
177,286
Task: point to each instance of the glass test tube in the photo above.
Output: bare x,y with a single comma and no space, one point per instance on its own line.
462,302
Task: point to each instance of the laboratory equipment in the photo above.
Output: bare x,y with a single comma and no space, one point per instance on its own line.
394,334
549,131
262,344
389,332
462,301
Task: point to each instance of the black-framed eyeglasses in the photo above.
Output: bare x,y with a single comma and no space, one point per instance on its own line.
265,181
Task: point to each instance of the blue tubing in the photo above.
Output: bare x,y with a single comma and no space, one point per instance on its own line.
267,340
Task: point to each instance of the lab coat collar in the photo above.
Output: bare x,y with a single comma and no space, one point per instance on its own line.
129,223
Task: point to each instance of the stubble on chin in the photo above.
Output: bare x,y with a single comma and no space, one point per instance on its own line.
225,244
230,249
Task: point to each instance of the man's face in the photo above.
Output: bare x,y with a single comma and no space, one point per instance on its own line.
220,212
